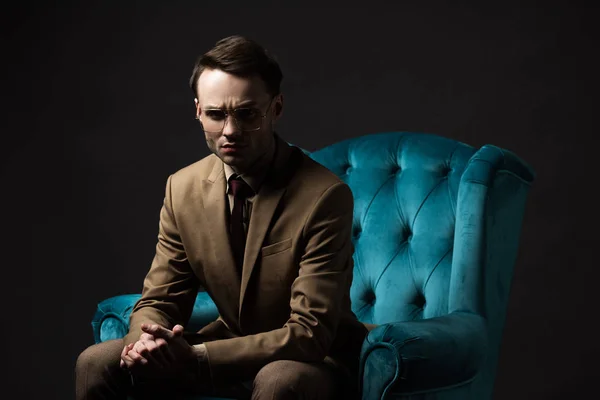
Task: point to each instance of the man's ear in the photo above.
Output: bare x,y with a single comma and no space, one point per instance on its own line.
278,105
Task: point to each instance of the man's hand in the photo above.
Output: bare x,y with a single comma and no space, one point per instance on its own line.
179,348
158,352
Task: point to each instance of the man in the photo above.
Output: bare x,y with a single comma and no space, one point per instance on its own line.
267,232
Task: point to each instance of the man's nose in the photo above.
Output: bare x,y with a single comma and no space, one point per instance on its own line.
231,126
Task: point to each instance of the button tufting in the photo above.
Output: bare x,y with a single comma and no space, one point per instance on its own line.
419,301
369,297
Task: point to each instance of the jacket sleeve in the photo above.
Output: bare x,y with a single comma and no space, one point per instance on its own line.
170,286
316,297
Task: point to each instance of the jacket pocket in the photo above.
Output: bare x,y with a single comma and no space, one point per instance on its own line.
276,247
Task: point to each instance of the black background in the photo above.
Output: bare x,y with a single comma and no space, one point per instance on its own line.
97,113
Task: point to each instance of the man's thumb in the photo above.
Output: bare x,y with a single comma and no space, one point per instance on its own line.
178,330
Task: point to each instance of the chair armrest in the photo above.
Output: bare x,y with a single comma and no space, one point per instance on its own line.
111,320
425,355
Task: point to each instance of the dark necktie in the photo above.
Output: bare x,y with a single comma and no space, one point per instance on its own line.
240,191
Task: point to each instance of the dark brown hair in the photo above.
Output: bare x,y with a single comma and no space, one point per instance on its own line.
241,57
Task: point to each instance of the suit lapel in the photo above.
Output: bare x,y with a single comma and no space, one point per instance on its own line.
263,209
214,189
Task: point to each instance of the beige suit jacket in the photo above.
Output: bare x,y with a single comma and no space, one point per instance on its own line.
291,301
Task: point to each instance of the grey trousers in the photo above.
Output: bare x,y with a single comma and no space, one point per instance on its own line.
98,376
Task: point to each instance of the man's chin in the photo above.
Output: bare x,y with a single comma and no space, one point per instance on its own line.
235,161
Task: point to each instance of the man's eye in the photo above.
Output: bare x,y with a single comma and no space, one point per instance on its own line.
246,114
216,115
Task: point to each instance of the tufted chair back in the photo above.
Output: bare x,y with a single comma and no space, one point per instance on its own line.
436,227
405,190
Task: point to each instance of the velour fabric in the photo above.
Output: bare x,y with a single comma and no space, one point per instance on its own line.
435,231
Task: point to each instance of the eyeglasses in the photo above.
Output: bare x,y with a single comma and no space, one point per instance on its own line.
247,119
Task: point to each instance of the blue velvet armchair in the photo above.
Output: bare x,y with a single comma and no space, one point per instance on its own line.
436,233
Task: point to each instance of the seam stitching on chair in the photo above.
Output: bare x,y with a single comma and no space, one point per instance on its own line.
403,138
387,265
514,175
358,266
363,280
362,308
413,312
423,203
398,205
411,265
436,265
362,223
452,204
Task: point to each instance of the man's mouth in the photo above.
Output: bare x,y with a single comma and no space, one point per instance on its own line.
232,147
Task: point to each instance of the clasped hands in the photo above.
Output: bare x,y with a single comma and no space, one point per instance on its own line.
159,352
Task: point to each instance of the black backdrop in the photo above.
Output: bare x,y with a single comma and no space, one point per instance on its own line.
97,113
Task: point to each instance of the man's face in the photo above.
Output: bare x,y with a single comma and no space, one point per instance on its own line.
219,91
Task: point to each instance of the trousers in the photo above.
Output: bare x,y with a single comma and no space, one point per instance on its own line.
99,376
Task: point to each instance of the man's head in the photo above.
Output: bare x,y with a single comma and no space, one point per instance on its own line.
236,86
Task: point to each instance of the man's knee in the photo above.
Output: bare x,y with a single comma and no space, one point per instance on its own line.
99,356
97,370
87,360
287,379
275,378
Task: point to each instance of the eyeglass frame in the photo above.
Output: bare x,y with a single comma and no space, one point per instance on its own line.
231,112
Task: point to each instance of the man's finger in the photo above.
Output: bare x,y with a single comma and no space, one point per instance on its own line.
165,350
126,348
135,363
149,353
137,358
140,348
158,331
179,328
125,360
155,355
128,363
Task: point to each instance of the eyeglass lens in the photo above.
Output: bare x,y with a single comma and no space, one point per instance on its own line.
246,118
